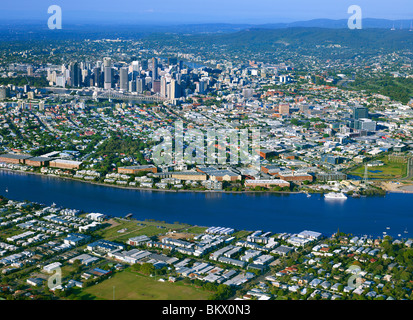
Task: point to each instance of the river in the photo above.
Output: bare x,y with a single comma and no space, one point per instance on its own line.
291,213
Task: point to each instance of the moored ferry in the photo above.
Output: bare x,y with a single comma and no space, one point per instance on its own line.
335,196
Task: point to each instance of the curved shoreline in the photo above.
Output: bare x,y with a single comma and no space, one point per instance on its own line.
147,189
180,190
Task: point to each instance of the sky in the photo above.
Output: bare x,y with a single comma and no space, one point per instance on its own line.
203,11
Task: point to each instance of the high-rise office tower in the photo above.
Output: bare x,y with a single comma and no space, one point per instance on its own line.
123,79
139,85
156,86
360,113
173,90
148,83
132,86
154,68
284,108
107,67
201,86
163,87
85,76
144,64
135,66
74,74
108,78
97,79
107,62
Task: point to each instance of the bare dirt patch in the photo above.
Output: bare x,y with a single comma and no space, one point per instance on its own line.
113,223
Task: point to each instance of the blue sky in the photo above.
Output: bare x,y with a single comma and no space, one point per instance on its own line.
202,11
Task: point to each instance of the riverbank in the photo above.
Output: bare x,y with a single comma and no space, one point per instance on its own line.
396,187
388,187
148,189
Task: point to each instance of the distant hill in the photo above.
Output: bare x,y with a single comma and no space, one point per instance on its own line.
308,40
367,23
34,30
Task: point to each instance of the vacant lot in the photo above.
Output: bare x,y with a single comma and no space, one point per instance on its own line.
122,230
196,229
129,285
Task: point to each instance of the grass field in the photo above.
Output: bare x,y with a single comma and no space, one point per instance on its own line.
389,170
196,229
129,285
133,228
241,234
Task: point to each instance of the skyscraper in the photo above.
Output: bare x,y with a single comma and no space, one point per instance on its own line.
123,79
360,112
156,86
201,86
144,64
75,74
97,79
173,90
163,87
139,85
132,86
107,62
107,65
30,71
135,66
154,68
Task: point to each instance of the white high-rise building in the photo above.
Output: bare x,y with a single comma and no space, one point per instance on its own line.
164,88
135,66
107,68
173,90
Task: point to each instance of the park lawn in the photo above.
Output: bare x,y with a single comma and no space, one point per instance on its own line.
131,285
196,230
138,231
390,170
241,234
168,226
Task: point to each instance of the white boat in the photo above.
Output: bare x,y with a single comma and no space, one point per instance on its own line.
7,189
335,196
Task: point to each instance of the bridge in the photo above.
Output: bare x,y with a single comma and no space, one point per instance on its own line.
130,97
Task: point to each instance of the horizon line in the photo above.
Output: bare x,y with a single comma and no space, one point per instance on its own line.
72,21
